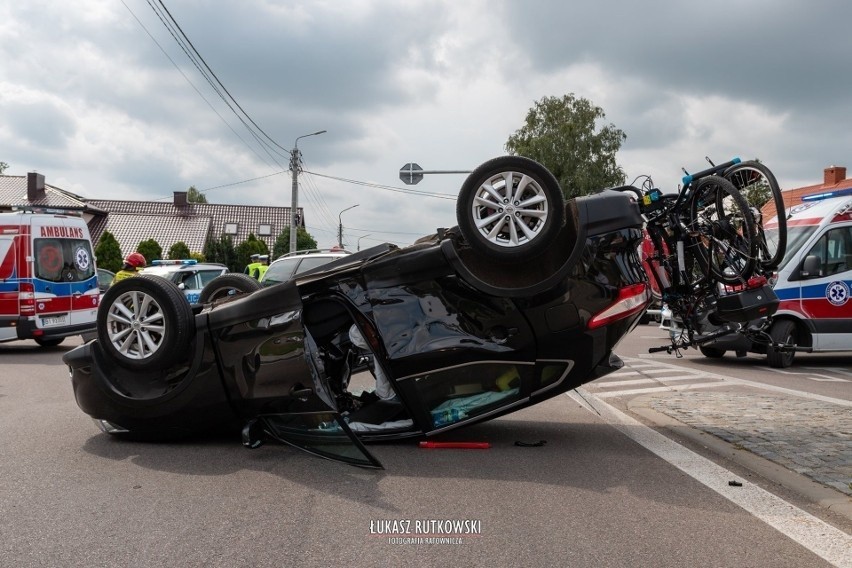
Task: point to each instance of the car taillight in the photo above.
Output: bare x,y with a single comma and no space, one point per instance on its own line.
631,300
26,298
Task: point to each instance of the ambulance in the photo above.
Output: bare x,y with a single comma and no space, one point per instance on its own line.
48,279
813,284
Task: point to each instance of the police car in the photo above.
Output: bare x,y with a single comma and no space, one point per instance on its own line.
190,275
813,283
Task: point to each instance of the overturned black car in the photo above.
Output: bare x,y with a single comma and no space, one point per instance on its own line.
524,300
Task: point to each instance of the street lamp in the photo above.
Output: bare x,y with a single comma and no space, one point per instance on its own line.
295,163
361,237
340,226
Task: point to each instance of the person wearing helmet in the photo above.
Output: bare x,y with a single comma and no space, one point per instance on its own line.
132,264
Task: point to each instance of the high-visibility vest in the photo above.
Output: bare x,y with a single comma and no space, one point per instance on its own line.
253,269
122,274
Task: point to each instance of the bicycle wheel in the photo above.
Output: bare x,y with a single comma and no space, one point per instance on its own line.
724,230
760,188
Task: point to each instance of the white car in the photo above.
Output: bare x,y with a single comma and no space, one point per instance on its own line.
288,265
190,275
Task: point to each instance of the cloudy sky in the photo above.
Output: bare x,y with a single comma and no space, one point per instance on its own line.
99,97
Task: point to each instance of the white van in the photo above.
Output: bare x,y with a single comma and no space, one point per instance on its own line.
813,283
48,279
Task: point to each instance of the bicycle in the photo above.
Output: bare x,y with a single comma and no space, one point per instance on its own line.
708,246
760,188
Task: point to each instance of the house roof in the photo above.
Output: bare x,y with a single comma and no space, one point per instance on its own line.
189,222
834,178
13,193
794,196
168,222
129,230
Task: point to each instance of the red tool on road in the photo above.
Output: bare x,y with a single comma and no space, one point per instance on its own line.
456,445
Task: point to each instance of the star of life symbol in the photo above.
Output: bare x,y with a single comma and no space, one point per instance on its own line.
81,258
837,293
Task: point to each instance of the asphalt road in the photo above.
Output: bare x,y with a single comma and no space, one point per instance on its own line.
600,492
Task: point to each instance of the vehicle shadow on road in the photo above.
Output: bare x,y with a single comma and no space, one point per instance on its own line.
575,456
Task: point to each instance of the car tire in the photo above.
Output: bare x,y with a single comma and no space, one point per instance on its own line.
491,214
49,342
228,286
145,322
781,331
711,352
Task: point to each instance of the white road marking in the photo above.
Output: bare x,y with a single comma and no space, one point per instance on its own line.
813,376
840,370
762,386
827,379
649,380
672,388
824,540
623,373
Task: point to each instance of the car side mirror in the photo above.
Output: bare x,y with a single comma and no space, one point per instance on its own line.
182,286
811,266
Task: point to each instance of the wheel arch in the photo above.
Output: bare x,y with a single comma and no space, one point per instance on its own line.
804,328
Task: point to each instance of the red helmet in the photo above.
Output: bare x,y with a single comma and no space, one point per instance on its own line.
135,260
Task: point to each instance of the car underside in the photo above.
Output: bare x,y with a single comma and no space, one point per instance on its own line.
461,336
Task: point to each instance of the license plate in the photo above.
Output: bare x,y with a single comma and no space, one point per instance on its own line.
47,321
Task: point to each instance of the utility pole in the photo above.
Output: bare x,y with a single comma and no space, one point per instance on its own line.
340,226
295,165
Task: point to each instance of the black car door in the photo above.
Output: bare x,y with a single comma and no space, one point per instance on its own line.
274,376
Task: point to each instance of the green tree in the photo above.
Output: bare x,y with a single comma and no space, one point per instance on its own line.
561,134
304,241
151,250
252,245
195,196
179,251
108,252
3,167
221,250
757,192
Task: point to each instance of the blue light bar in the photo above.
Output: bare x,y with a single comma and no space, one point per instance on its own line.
827,194
173,262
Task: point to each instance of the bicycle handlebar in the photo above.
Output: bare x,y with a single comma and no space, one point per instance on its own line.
689,178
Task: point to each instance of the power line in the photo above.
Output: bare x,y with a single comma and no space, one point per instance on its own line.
322,209
211,72
383,232
387,187
191,84
183,42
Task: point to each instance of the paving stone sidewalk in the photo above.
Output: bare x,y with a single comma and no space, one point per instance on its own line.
812,438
